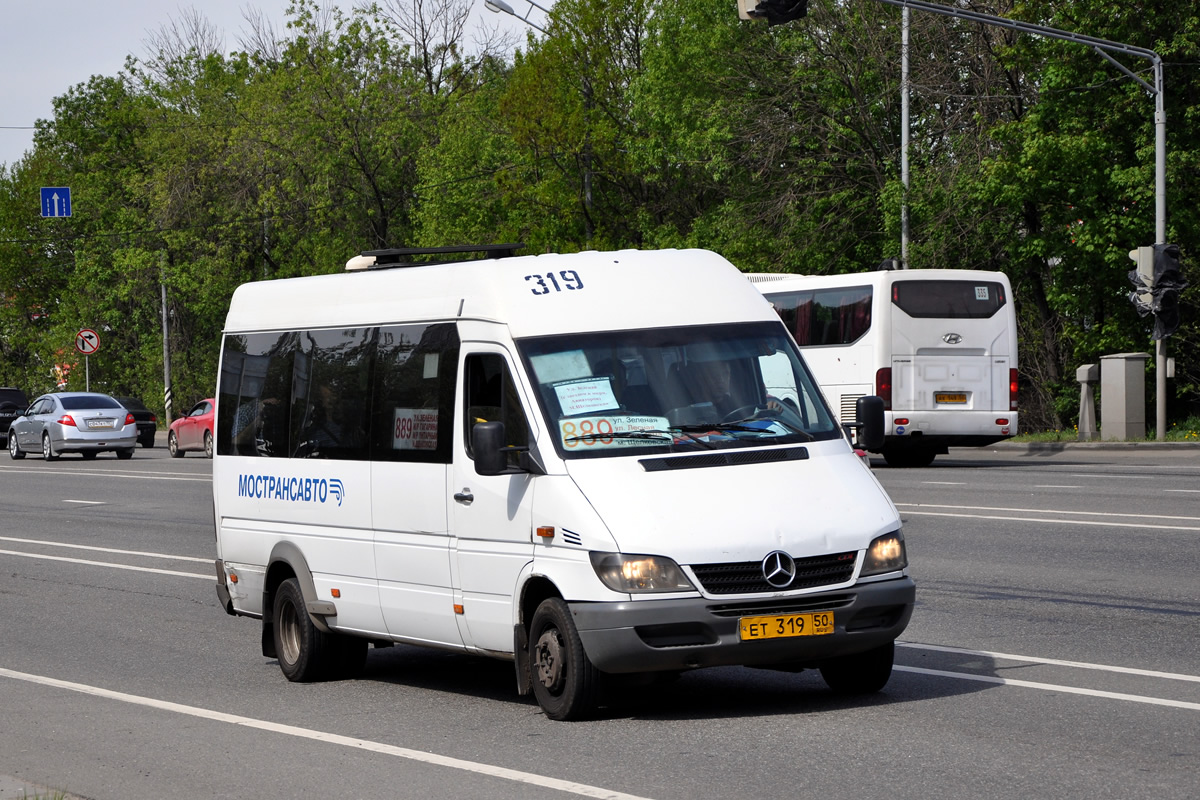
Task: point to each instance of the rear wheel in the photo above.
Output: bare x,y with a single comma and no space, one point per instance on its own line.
48,453
173,445
88,455
208,444
306,653
147,440
125,454
861,673
565,682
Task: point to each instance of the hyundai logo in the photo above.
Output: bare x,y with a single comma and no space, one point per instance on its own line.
779,569
952,338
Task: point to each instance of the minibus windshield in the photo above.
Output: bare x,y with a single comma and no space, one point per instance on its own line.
616,393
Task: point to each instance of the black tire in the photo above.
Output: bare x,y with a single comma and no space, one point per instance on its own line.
909,457
14,449
861,673
208,445
173,446
88,455
305,653
125,454
48,453
565,683
147,441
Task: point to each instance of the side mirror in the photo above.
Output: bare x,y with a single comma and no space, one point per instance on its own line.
868,414
487,442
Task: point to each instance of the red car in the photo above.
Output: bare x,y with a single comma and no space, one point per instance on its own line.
193,432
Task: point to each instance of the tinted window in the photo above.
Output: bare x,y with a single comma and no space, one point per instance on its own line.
948,299
84,402
413,393
356,393
825,316
255,394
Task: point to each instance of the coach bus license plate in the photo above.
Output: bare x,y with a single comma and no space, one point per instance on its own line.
944,397
785,625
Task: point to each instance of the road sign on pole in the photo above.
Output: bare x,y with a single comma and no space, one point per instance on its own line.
87,341
56,201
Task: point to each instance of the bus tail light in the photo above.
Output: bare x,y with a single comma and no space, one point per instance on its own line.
883,387
1012,390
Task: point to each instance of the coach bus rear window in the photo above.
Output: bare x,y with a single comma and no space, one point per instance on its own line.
948,299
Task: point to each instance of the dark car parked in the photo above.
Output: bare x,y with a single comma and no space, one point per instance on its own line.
147,422
13,403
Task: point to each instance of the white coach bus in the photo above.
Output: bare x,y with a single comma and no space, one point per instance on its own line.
557,460
939,346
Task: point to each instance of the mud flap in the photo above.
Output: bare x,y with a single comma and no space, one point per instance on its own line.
521,660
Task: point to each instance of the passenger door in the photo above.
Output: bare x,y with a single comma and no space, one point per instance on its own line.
492,537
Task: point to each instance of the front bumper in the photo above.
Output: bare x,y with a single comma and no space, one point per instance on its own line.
667,635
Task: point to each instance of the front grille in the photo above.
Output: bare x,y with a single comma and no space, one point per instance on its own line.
776,606
746,577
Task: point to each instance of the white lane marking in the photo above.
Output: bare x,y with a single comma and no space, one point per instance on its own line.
1043,521
581,789
1052,687
95,473
87,502
945,483
106,549
1045,511
1189,491
110,565
1175,676
1054,486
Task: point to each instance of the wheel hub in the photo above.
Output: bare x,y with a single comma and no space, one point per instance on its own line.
548,661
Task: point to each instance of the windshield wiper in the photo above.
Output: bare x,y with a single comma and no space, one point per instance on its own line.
740,426
664,436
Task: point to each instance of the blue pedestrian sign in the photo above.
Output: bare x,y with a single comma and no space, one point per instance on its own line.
56,201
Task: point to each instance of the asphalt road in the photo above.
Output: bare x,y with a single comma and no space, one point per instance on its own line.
1053,653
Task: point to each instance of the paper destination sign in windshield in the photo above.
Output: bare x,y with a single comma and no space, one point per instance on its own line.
601,432
586,396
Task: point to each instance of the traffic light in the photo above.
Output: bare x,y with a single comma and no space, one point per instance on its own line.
1168,281
1142,279
775,12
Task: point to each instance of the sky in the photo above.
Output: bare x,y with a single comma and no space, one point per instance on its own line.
48,46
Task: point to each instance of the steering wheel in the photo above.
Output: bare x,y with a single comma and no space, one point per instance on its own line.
742,412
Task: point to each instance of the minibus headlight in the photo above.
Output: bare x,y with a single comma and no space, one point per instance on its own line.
885,554
630,574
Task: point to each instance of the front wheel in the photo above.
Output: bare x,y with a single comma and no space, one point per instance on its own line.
861,673
173,446
565,683
14,449
48,453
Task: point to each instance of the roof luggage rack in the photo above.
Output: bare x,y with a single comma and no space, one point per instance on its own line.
401,256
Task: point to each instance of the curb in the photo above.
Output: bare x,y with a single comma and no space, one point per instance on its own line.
1055,447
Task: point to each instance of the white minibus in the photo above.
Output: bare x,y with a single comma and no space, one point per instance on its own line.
939,346
565,461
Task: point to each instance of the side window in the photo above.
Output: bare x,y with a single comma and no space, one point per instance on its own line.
825,316
490,395
255,394
329,394
413,393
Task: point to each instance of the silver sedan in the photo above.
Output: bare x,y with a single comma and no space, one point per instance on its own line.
73,422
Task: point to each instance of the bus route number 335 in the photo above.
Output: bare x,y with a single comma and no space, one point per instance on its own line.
786,625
